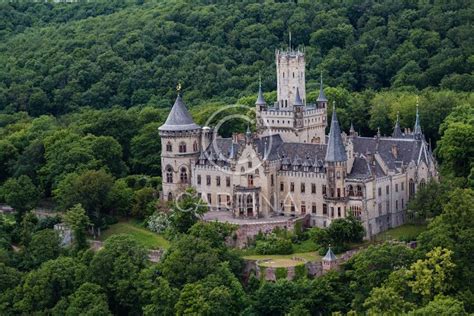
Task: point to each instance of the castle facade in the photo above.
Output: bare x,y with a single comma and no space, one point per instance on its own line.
290,167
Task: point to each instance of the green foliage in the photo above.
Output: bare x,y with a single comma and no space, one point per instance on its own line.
186,211
78,221
88,299
91,189
44,287
45,245
300,272
441,305
116,268
21,194
369,269
156,295
272,244
281,273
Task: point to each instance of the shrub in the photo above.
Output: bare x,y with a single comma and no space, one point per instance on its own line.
281,273
300,271
158,222
274,245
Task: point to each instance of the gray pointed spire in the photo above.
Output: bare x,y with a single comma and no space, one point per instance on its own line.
179,118
232,151
330,256
397,131
298,101
335,149
260,98
322,96
417,130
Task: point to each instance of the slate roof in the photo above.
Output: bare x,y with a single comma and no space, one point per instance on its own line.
322,96
179,118
330,256
260,98
336,150
298,101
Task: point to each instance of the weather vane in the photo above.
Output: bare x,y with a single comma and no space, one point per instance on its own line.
178,87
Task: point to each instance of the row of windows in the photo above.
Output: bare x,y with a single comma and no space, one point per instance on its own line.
333,210
181,147
183,175
387,206
218,180
302,187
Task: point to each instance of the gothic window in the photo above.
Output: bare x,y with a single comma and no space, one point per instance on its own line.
411,188
292,187
183,175
195,146
313,188
303,188
227,181
380,191
209,199
169,174
282,186
170,196
351,190
228,200
303,208
338,212
242,170
169,147
199,179
403,186
218,181
396,187
338,192
332,211
324,190
182,147
313,208
208,180
325,209
387,189
396,205
272,180
249,164
359,190
292,208
250,180
422,183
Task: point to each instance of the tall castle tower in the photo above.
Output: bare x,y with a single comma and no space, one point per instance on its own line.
295,119
180,148
336,169
290,70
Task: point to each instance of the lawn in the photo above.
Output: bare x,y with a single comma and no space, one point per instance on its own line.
143,236
310,256
405,232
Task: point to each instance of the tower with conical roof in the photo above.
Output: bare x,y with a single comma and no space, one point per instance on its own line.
298,107
321,101
329,261
260,105
336,169
180,143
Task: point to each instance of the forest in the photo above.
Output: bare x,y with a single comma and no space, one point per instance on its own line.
84,87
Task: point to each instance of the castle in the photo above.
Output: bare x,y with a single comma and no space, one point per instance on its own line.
290,167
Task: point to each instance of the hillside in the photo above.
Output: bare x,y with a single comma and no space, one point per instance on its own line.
127,54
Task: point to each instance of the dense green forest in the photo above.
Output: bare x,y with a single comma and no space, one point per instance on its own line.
85,86
136,55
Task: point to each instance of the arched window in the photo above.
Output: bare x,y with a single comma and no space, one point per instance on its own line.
169,147
359,190
351,190
170,196
182,147
195,146
242,170
169,174
250,180
183,175
422,183
411,188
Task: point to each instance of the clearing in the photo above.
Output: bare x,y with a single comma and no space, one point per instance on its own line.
144,237
405,232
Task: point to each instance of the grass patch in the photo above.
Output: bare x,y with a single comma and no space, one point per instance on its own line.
309,256
281,263
405,233
133,228
305,246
